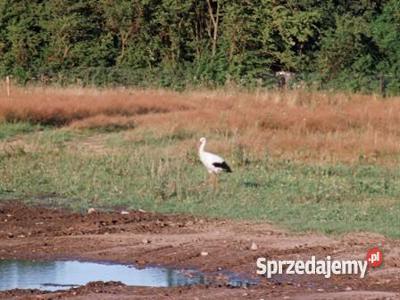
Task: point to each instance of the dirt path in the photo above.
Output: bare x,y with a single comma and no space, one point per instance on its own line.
176,240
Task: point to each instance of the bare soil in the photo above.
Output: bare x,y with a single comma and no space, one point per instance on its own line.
143,238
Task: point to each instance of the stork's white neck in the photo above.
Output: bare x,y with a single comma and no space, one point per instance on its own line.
202,145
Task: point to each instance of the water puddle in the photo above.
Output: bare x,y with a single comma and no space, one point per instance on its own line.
62,275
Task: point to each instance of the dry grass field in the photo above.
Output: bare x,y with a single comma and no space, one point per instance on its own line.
300,125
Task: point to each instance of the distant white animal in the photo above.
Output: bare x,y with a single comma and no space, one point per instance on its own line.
286,78
214,163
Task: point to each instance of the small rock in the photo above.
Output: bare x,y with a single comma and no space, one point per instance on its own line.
91,210
124,212
21,236
320,290
348,289
203,253
253,246
141,210
10,235
146,241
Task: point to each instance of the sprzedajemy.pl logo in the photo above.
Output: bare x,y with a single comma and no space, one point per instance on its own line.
326,267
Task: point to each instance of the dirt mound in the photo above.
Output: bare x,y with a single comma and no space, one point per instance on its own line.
23,221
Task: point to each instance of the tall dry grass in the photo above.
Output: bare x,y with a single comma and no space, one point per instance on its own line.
291,124
58,107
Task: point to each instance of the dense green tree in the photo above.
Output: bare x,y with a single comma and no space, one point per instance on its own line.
338,43
386,32
22,40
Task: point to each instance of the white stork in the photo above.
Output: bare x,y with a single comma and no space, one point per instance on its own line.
214,163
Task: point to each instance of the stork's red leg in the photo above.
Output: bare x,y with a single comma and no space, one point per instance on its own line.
215,181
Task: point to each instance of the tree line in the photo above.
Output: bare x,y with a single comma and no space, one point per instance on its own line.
334,44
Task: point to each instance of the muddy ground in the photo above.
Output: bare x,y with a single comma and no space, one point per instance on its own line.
143,238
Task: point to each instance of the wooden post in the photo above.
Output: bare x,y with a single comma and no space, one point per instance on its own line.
382,85
8,85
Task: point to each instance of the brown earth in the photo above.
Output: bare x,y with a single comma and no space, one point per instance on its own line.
143,238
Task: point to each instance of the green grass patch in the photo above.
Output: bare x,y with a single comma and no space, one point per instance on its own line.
327,198
8,130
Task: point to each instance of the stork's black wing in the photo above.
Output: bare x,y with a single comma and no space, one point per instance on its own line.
224,166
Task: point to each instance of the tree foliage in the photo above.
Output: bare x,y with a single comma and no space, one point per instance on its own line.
175,43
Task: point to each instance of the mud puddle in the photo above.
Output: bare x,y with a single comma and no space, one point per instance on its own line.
63,275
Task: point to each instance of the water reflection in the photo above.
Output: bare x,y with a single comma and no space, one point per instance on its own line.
64,274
